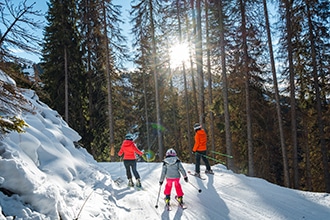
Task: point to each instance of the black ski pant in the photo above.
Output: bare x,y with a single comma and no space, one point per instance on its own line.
199,155
128,165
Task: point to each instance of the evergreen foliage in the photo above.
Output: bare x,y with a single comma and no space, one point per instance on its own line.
12,104
62,64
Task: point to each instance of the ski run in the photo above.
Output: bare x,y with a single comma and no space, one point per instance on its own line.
44,176
224,195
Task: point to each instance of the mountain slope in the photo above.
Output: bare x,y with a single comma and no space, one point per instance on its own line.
45,175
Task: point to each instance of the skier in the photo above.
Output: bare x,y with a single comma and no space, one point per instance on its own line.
200,148
172,167
129,149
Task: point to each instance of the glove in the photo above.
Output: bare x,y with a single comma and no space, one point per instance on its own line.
186,179
160,182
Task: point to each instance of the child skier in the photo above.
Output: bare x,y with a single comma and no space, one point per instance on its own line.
172,167
129,149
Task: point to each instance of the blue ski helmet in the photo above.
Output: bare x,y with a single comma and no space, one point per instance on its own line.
129,136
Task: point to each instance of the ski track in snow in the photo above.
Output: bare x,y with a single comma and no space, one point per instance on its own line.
222,195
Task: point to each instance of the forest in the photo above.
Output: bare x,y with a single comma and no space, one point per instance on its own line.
254,73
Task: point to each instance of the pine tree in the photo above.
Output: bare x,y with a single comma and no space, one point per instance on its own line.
103,49
145,14
62,63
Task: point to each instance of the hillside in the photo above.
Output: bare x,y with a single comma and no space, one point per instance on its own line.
44,175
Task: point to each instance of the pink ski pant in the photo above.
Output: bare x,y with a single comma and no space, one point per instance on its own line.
177,185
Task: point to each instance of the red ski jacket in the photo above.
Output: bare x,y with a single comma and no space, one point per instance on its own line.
129,149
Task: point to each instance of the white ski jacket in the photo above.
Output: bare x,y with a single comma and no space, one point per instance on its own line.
172,167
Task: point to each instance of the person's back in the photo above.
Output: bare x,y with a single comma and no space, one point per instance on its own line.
200,140
129,150
173,167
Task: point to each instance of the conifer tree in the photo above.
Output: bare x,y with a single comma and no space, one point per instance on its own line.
62,63
103,49
144,16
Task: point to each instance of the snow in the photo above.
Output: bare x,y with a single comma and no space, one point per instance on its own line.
5,78
49,177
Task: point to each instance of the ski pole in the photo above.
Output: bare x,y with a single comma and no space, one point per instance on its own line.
226,155
211,158
199,190
156,206
118,181
81,208
120,163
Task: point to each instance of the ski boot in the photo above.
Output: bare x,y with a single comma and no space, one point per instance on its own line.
198,175
167,199
180,200
130,183
138,183
209,172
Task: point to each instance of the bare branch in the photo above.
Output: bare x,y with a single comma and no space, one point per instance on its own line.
20,28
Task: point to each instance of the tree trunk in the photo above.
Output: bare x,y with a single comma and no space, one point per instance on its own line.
186,101
230,161
199,61
192,63
155,73
146,108
109,87
209,77
292,94
320,124
247,92
308,173
277,98
66,86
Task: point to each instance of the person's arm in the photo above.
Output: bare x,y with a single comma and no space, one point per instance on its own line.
182,170
163,174
137,150
196,143
120,153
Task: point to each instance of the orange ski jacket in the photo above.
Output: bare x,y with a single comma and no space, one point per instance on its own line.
200,141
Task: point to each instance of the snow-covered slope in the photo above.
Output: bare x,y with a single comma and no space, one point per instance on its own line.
224,196
44,176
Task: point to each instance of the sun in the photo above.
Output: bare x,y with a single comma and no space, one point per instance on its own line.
179,53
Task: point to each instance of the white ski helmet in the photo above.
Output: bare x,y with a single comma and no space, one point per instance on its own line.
170,152
197,126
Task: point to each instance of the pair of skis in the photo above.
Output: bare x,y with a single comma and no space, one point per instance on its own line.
182,205
119,183
198,176
138,188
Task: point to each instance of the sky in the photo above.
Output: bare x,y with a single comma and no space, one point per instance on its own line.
43,7
47,177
